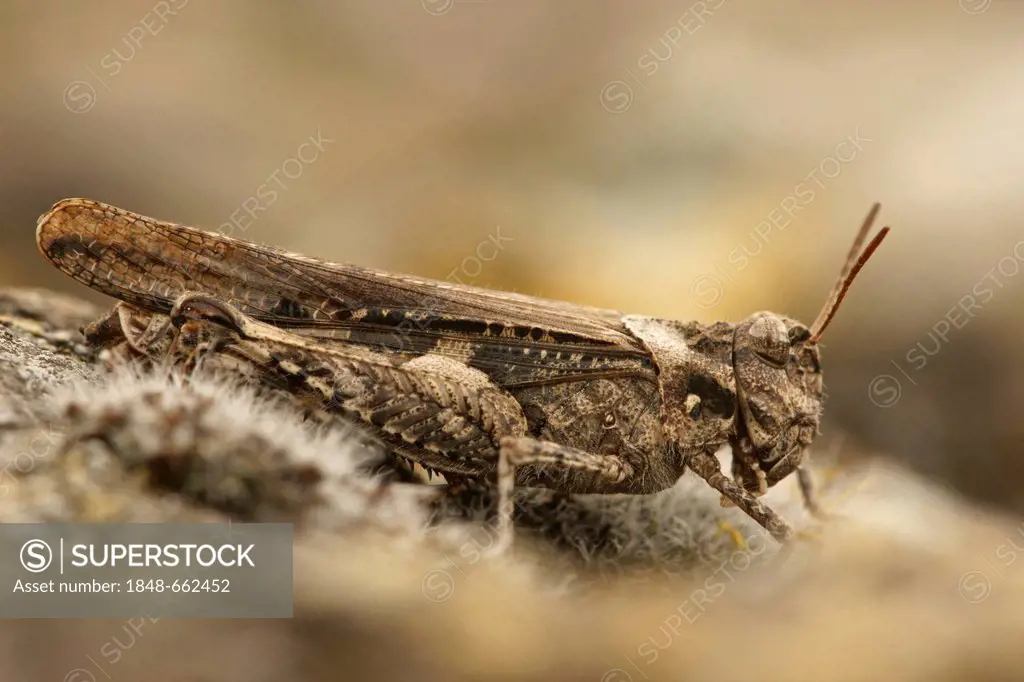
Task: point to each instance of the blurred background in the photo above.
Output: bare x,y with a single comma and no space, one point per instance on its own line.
694,160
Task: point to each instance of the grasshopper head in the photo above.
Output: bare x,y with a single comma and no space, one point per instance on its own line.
779,383
779,391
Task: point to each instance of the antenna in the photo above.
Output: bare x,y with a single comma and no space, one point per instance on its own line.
855,260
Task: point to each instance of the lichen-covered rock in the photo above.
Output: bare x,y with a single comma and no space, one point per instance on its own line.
40,348
132,446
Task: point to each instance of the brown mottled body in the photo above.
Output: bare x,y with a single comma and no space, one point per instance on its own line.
467,381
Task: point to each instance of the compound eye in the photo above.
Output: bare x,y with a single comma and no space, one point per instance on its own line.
770,340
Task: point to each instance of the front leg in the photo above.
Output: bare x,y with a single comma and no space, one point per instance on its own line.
706,466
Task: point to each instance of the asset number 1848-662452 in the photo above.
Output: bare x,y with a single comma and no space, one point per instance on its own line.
188,585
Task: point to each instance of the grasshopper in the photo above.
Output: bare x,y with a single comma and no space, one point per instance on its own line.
472,383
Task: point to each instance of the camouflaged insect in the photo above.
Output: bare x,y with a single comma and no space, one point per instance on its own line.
471,383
